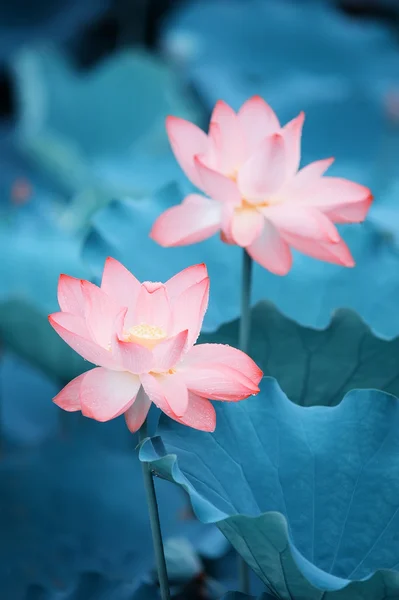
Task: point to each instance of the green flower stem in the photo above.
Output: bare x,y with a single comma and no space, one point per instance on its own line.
155,523
245,327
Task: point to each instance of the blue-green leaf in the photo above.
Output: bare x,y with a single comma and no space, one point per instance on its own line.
317,367
123,147
308,496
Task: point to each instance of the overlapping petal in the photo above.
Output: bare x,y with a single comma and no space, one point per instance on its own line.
265,170
257,121
101,312
120,284
292,133
69,328
218,382
271,251
152,306
70,295
229,139
187,140
196,219
137,412
246,225
217,185
168,353
180,282
106,394
206,355
189,309
69,397
337,253
307,222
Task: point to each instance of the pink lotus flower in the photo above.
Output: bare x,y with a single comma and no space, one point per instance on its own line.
248,165
142,337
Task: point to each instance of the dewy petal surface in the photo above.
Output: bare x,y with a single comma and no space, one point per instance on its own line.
87,348
200,414
101,312
208,355
105,394
69,397
180,282
218,382
152,307
196,219
166,354
189,310
70,295
137,413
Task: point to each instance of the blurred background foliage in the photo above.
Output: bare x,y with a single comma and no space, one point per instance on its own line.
85,167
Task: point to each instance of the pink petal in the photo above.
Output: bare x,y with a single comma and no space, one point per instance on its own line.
311,173
152,307
200,414
229,140
292,133
334,196
333,253
216,185
351,213
68,397
264,172
303,221
120,285
180,282
70,295
207,355
175,392
226,234
168,353
189,309
132,357
101,312
218,382
105,394
196,219
257,120
69,328
137,413
246,226
187,140
271,251
168,392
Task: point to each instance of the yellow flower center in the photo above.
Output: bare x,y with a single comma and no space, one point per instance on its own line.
146,335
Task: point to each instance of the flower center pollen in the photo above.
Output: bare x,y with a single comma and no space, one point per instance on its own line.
146,335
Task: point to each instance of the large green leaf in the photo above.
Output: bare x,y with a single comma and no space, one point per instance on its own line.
308,496
317,367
